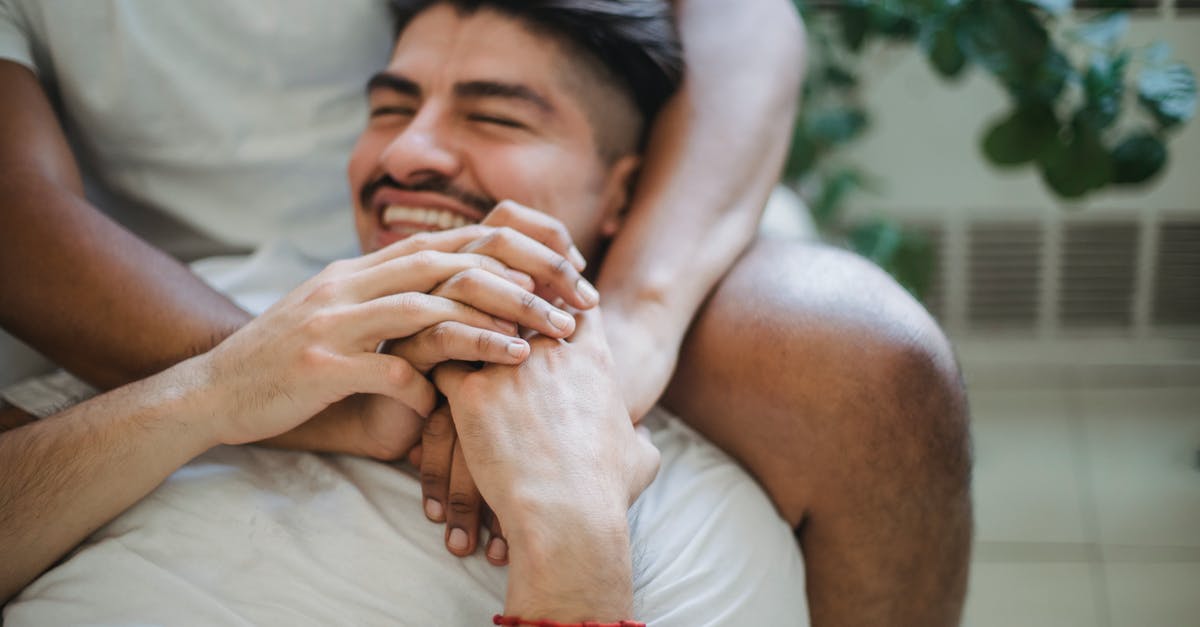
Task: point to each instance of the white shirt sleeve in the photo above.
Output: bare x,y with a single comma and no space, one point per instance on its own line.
16,43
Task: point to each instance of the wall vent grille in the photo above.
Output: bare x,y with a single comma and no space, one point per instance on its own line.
1099,268
1004,269
1177,276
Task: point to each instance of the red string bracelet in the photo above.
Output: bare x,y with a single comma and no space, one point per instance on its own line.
517,621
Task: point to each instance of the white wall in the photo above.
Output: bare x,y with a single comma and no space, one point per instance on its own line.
924,143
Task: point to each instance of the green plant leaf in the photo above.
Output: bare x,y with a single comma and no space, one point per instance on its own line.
1104,88
1105,30
1138,158
941,44
1053,7
836,126
1077,165
839,76
1168,92
835,188
801,156
890,21
1022,136
855,21
1011,42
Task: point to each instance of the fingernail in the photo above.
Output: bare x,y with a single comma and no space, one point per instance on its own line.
587,292
497,549
560,320
458,540
433,510
577,259
517,348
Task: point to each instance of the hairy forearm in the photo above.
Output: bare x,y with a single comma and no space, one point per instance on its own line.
63,477
714,155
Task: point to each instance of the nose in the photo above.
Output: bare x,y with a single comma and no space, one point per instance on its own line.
423,148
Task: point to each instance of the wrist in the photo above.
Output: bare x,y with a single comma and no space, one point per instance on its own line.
570,563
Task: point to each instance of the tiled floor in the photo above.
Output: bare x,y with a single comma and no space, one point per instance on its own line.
1088,508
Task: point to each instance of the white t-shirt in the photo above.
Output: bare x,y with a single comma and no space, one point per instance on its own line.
236,117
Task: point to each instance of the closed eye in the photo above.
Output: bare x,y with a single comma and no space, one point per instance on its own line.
393,110
489,119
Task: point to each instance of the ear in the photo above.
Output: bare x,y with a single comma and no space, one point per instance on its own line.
618,192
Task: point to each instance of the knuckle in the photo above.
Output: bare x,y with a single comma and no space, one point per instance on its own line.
461,502
326,290
423,259
484,342
419,241
408,303
442,336
398,374
313,358
562,267
432,479
530,302
338,267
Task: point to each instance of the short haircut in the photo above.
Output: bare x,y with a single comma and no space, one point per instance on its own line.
633,43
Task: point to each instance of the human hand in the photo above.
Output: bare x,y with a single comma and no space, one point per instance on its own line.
317,345
555,455
552,432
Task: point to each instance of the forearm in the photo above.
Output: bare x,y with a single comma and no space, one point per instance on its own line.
713,157
75,285
63,477
97,300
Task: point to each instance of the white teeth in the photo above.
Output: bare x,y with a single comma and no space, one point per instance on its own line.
434,218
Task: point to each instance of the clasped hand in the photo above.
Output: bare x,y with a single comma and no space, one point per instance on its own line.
458,295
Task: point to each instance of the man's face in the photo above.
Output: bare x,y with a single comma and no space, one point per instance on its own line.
473,109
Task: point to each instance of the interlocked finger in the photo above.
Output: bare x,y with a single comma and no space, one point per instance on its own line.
421,271
540,226
437,453
462,507
504,300
402,315
451,340
553,273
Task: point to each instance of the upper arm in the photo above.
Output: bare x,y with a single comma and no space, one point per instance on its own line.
32,144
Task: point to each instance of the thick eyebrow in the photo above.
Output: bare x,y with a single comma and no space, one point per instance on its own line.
495,89
392,82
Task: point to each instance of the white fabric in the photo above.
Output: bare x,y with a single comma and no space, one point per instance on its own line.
248,536
234,117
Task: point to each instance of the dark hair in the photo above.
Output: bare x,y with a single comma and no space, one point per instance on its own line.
634,40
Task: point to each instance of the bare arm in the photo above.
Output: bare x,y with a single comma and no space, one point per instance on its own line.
63,477
715,152
73,279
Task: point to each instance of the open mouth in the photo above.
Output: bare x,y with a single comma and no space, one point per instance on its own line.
399,218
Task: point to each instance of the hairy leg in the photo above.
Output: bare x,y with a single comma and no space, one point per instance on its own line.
841,396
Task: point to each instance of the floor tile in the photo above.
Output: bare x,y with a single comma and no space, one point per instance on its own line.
1032,595
1153,595
1142,449
1027,479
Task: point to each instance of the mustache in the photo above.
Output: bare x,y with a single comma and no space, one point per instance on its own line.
433,183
